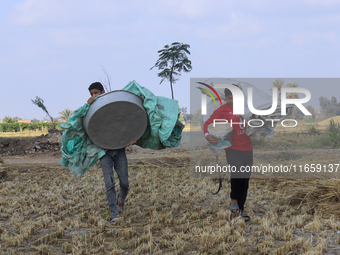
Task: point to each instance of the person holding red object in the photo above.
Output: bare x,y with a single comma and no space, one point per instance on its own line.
238,155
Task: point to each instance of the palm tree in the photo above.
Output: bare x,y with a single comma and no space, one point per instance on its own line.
40,103
278,83
293,95
292,85
172,60
65,114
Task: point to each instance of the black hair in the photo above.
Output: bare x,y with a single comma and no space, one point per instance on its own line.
96,85
227,92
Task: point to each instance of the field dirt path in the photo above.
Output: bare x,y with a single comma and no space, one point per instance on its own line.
53,160
258,153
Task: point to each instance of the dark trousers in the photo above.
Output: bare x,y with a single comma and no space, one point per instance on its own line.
239,180
116,159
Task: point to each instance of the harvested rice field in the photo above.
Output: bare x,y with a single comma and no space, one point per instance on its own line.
44,209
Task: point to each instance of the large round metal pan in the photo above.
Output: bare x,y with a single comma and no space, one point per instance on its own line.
115,119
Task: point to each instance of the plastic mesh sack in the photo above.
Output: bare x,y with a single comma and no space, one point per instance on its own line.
224,133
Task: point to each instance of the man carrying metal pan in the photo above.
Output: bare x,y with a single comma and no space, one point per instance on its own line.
112,158
107,123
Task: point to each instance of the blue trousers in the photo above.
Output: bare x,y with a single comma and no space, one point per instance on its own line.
116,159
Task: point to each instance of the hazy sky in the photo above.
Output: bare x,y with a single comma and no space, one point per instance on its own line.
54,49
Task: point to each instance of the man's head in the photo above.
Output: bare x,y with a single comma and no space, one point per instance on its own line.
96,89
228,97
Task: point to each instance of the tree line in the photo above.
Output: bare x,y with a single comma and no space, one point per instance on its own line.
21,126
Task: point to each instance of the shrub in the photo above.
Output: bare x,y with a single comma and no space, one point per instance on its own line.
334,133
312,130
15,127
319,141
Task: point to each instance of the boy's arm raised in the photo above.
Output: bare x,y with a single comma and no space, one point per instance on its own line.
91,100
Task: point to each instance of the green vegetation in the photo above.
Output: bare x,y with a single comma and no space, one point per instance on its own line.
315,141
194,118
65,114
319,141
15,127
8,119
312,130
40,103
334,133
278,83
172,60
330,107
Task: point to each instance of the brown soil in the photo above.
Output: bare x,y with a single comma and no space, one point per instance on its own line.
46,145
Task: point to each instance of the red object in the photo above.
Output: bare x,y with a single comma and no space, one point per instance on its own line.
212,89
240,140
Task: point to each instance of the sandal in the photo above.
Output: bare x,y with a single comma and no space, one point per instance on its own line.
234,207
245,215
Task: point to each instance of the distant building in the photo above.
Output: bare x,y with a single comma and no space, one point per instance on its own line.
25,121
50,121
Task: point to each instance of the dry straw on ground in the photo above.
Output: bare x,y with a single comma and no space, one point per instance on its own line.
44,209
47,210
328,121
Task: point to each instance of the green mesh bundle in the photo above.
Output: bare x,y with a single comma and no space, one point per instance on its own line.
163,130
78,152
